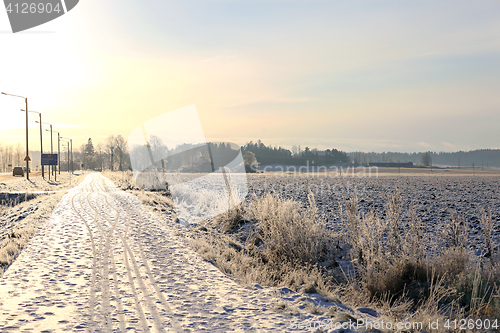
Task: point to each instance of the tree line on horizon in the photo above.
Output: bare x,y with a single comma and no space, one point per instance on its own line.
296,156
480,158
113,154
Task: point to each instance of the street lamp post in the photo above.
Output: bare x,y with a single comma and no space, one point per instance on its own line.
51,149
67,150
41,142
27,158
41,123
71,140
58,151
58,165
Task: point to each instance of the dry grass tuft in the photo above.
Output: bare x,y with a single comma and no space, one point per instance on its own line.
231,220
290,233
486,230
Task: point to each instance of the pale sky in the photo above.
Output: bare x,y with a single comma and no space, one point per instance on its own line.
352,75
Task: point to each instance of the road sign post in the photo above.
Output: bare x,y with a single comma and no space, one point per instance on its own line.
49,159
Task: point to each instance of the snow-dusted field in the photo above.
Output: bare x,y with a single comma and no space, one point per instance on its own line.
435,198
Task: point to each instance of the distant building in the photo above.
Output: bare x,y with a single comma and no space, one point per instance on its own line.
392,164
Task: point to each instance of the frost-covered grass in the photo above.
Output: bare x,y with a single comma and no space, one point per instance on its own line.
20,222
21,215
391,262
385,263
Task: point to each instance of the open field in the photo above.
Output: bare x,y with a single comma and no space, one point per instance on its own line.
435,197
432,172
361,172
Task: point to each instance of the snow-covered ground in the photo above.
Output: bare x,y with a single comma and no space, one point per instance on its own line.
435,197
103,263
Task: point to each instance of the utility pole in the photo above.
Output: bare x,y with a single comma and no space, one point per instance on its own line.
68,156
68,165
41,140
58,151
41,146
27,158
71,140
51,150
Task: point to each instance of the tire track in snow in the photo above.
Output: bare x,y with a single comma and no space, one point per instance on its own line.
92,296
121,317
105,276
104,280
149,302
129,256
137,302
160,295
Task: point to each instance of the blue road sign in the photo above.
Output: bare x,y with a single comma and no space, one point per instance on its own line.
49,159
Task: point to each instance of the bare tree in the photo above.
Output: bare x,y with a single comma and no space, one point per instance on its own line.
158,149
19,153
121,150
110,146
426,159
99,149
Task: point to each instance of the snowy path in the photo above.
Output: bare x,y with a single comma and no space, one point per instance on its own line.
104,263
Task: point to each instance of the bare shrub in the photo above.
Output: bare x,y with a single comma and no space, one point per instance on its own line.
160,201
251,266
450,262
352,221
283,245
290,233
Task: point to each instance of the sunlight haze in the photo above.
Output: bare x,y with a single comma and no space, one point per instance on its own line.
352,75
